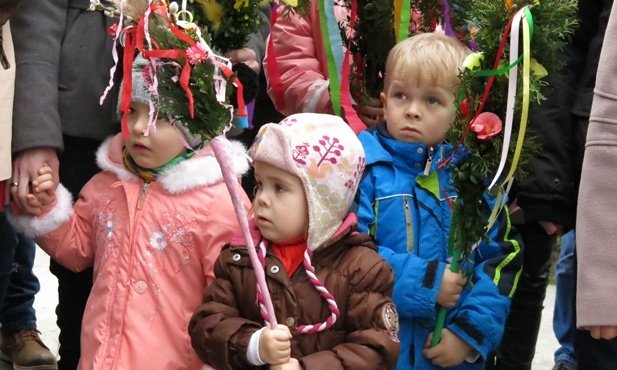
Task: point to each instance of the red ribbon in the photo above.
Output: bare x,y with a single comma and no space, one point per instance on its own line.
489,85
170,54
274,77
135,39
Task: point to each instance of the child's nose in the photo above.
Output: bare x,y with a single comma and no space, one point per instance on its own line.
262,198
140,125
413,110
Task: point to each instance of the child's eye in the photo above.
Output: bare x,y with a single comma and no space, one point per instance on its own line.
280,189
399,96
432,101
257,188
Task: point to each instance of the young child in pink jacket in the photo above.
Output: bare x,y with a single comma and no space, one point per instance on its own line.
152,223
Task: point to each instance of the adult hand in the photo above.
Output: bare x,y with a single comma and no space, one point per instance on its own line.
26,166
274,345
43,191
246,56
603,332
370,111
450,351
552,228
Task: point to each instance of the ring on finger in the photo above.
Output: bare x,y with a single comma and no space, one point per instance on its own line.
15,184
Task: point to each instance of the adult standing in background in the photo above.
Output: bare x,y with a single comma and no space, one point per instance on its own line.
548,195
20,343
64,57
596,231
7,87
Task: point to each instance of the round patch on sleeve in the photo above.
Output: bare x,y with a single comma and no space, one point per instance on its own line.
390,319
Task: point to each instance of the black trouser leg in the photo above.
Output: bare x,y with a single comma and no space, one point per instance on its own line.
518,344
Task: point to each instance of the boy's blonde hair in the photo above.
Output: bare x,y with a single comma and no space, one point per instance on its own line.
426,58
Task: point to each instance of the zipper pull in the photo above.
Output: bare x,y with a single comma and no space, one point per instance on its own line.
429,161
407,212
142,196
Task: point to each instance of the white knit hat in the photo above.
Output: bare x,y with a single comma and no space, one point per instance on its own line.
324,152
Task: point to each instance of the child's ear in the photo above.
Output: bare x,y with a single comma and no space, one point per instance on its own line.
384,103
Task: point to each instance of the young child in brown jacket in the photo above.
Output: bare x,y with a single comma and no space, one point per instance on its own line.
330,288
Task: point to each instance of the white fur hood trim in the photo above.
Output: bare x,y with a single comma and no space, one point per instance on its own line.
201,170
32,226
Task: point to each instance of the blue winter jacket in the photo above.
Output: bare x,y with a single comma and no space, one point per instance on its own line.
403,205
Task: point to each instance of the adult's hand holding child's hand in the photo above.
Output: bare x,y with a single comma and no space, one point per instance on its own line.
26,167
43,188
275,345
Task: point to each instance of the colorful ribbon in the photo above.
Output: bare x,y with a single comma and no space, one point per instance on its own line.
335,87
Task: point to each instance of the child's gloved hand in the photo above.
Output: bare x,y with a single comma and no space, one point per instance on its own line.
450,351
274,345
451,287
293,364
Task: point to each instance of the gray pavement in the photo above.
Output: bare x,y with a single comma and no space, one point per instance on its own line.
46,300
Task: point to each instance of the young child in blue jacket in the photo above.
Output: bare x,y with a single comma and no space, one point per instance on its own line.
404,206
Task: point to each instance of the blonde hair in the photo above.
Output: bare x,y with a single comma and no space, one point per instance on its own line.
426,58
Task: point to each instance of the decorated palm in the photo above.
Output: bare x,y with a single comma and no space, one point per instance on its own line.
516,44
191,83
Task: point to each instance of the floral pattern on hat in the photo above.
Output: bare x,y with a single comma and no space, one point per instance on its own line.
325,153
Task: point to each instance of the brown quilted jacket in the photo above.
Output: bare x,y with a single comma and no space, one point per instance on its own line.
363,337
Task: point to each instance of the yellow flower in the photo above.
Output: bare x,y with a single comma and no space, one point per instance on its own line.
538,69
473,60
213,11
239,3
290,2
509,4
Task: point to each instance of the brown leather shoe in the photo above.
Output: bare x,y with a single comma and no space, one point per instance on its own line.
26,351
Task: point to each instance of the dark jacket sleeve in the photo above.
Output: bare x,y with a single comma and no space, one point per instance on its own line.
219,335
550,190
371,322
37,27
63,54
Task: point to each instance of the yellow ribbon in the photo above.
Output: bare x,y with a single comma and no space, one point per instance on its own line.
523,123
525,107
398,6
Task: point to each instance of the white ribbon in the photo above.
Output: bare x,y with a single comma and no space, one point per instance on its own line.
512,80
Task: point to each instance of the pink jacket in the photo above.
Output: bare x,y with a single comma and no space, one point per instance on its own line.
153,250
301,62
